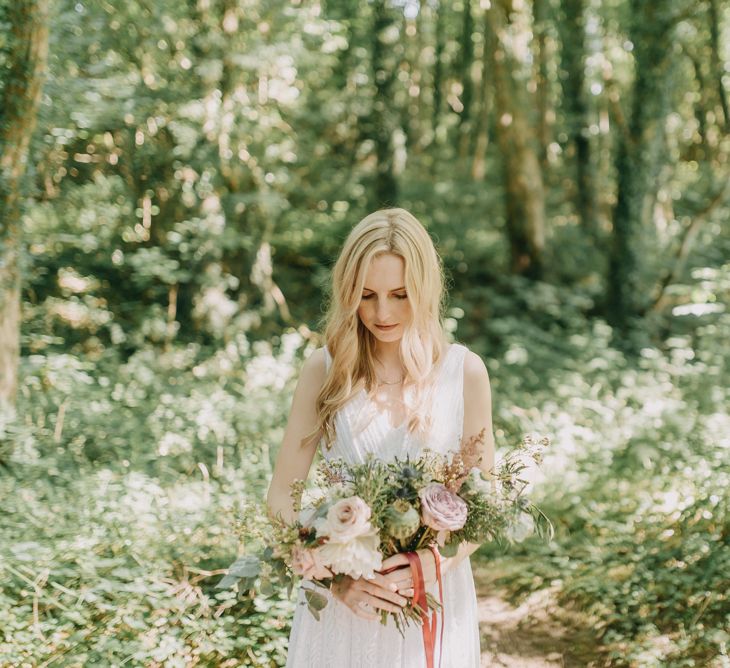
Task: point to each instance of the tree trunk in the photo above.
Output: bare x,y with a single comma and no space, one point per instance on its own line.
572,33
524,192
539,12
484,106
438,68
716,61
412,119
21,95
466,115
701,107
465,66
641,152
383,113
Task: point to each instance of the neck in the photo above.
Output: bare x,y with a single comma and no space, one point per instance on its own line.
388,354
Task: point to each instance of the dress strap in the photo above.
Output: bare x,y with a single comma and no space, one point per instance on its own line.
451,386
327,358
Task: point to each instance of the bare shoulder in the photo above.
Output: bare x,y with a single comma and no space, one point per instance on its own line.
303,414
314,370
478,408
476,375
301,436
316,361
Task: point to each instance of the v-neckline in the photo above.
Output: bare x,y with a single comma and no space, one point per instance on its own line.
384,415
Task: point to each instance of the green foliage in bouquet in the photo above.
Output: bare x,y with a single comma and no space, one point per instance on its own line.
360,514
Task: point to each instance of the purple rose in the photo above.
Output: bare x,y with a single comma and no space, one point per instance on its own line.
441,509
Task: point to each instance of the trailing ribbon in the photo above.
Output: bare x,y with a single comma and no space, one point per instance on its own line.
437,560
419,598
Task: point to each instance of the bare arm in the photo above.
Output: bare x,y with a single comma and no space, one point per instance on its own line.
293,463
295,455
477,416
478,409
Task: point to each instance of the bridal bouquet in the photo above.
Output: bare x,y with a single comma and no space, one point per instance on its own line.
360,514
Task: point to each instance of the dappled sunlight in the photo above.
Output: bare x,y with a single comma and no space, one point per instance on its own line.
177,180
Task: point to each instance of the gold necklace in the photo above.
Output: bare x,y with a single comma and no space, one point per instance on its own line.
385,382
397,382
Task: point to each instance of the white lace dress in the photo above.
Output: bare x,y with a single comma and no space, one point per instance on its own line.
340,639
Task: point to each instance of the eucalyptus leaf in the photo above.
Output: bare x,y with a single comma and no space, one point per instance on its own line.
267,588
449,550
315,600
248,566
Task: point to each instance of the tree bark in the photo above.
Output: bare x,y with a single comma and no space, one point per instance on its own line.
411,120
465,64
467,94
438,68
484,109
523,183
700,108
386,186
21,95
640,155
540,18
716,61
572,33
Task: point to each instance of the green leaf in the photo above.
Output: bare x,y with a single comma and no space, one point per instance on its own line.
315,601
279,568
246,567
449,550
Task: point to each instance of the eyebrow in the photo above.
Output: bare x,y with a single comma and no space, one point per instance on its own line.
393,290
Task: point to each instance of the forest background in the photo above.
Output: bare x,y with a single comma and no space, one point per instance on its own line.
176,179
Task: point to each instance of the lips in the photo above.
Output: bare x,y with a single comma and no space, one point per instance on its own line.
386,327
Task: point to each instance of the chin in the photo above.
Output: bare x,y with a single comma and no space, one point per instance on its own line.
393,335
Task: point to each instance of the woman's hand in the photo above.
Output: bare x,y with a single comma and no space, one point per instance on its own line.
401,573
367,597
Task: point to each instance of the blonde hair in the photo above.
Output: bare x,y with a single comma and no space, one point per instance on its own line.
352,346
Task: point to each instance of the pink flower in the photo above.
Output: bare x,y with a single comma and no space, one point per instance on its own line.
307,562
441,509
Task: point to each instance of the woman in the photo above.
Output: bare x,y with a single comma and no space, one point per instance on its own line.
386,382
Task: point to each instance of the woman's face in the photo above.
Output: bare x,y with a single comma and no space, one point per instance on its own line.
384,300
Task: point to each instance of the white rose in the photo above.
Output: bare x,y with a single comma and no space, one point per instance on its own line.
356,557
346,519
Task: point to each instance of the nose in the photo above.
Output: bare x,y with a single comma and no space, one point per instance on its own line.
381,312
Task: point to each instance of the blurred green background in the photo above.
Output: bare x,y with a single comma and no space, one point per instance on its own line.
176,179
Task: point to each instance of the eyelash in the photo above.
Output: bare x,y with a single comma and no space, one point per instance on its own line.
396,296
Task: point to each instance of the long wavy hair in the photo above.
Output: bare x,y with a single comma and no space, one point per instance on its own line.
352,346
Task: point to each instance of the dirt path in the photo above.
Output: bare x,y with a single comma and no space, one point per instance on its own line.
533,634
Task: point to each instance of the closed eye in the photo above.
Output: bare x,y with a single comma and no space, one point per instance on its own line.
371,295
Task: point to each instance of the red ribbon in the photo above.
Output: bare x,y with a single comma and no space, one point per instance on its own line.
437,560
419,597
